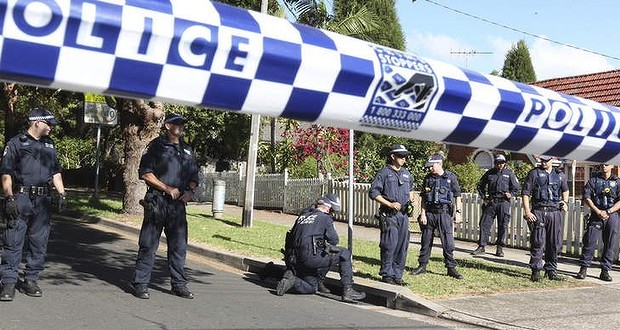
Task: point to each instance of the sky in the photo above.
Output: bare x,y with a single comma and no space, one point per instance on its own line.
438,33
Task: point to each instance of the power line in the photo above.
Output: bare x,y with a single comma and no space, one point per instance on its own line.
520,31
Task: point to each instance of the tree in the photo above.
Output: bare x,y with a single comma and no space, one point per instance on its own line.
141,122
518,64
388,31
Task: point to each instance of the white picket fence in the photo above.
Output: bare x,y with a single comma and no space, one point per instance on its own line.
277,191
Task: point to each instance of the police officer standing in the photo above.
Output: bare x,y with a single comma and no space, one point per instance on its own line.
602,195
170,170
29,165
392,188
496,187
547,190
441,198
313,240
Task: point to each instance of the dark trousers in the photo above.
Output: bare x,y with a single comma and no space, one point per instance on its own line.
175,227
394,244
546,239
595,230
30,233
490,211
444,223
311,270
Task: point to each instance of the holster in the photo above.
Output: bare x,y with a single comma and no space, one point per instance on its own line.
385,220
597,223
155,208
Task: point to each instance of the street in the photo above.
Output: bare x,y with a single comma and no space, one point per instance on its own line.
86,285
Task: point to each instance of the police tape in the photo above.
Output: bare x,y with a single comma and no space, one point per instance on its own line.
207,54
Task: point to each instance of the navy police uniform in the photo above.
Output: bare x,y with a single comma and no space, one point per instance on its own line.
492,187
312,235
438,194
175,166
313,243
394,186
32,164
604,193
546,191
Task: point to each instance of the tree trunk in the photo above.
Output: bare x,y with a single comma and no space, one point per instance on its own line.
141,121
8,100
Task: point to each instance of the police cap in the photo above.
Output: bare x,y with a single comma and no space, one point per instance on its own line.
399,150
174,118
500,159
42,115
433,159
330,200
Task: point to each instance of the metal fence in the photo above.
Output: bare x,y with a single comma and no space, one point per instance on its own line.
277,191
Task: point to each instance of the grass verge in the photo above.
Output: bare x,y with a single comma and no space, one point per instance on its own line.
265,239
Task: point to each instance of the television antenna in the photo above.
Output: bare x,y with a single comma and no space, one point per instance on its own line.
469,53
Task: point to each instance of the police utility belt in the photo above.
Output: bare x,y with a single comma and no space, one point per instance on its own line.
437,208
546,208
33,190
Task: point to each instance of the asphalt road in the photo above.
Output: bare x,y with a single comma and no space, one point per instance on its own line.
86,285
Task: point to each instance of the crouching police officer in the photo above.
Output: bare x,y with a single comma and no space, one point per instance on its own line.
601,194
169,169
441,196
29,164
549,196
313,239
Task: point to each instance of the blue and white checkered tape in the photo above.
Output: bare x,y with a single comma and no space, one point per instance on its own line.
207,54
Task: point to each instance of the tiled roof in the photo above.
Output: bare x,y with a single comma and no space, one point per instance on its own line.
603,87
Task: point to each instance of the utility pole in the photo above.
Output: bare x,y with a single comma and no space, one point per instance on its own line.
469,53
248,205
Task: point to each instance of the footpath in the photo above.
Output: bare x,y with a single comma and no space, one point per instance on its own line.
592,307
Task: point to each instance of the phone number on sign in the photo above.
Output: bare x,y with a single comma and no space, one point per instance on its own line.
396,114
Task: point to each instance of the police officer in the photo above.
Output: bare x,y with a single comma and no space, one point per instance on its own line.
496,187
29,165
392,188
441,198
547,190
602,195
313,239
169,169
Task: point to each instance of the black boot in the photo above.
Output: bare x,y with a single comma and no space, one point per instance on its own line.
583,272
453,273
286,283
478,250
30,288
322,288
388,280
499,251
421,269
8,292
141,290
350,295
553,275
605,275
535,276
182,291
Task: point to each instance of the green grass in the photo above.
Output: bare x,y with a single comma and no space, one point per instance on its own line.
265,239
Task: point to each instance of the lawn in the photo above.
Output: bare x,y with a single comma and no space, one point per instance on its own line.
265,239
